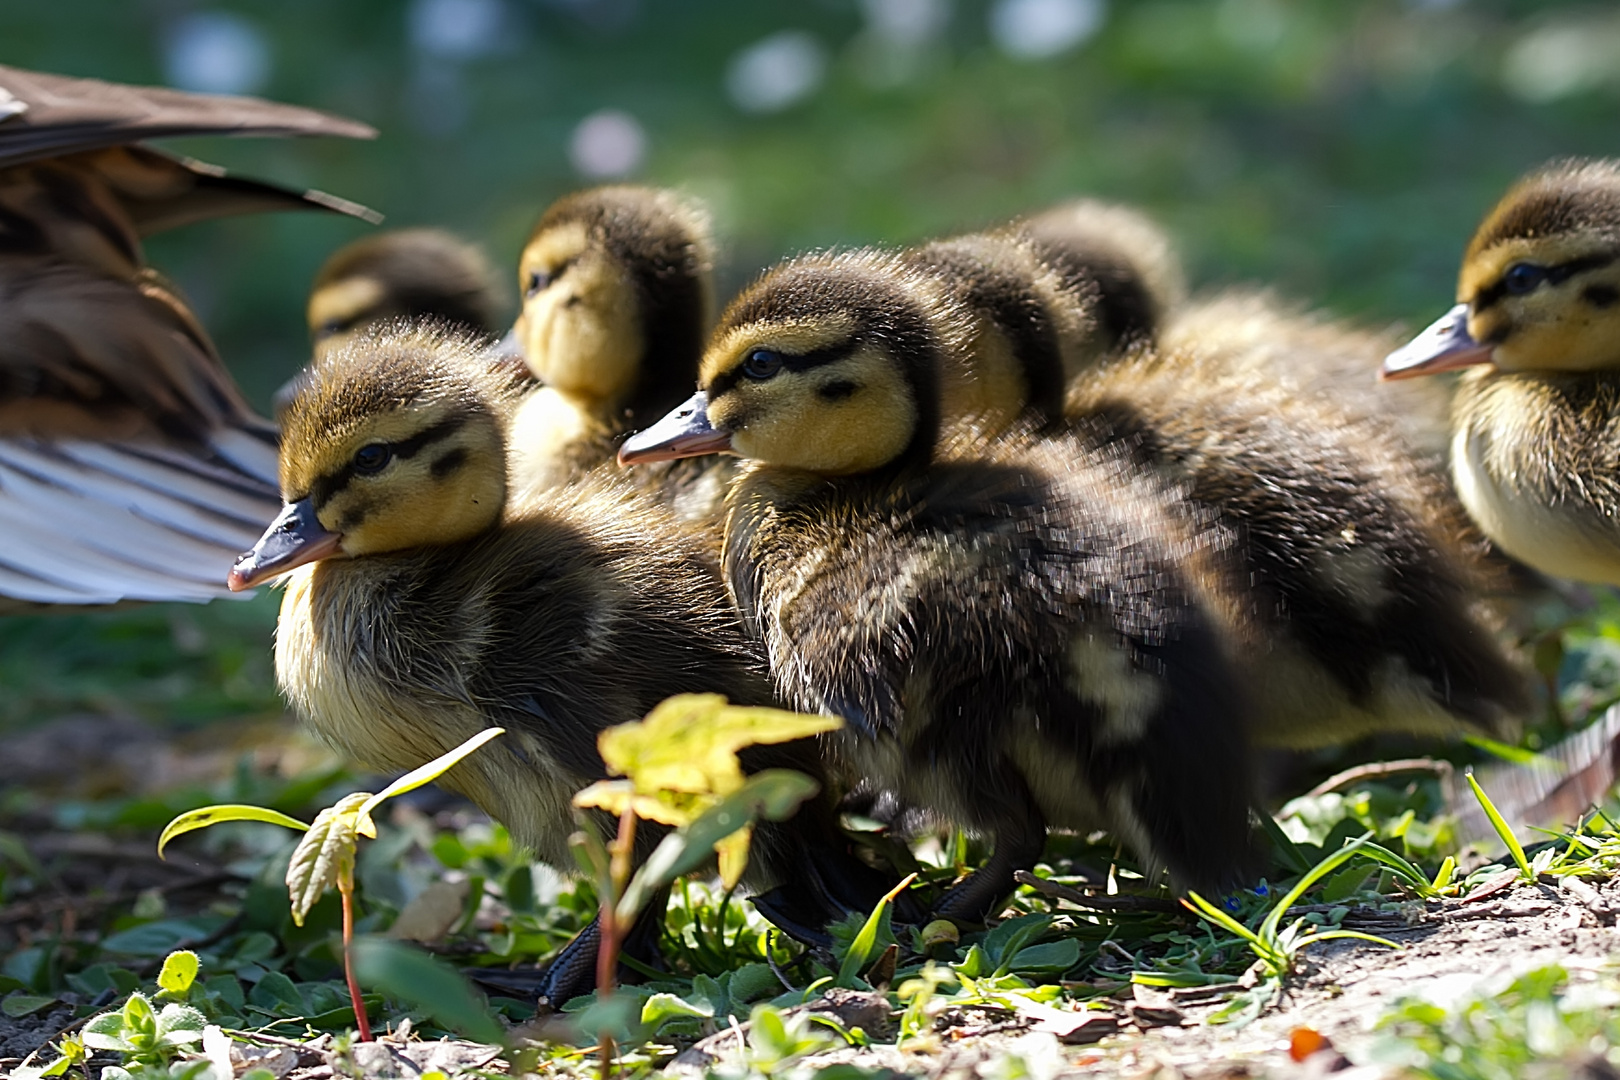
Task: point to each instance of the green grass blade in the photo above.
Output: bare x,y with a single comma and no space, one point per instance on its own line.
860,950
1514,847
1329,935
1222,919
1403,867
1268,927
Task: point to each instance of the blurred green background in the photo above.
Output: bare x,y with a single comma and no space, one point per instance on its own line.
1341,151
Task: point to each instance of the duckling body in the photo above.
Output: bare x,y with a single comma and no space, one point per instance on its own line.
1345,574
130,466
1008,633
616,299
1535,423
1350,586
423,606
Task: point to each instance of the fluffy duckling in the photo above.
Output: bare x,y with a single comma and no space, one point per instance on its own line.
616,295
405,274
130,466
1348,581
1050,296
1120,265
423,606
1009,632
1536,423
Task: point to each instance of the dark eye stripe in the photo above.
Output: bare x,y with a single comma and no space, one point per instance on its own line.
1555,274
324,488
803,362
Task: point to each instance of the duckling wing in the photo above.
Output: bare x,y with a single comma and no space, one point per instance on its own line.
43,115
130,466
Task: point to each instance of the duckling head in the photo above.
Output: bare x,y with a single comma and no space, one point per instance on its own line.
615,284
1540,282
393,441
827,364
405,273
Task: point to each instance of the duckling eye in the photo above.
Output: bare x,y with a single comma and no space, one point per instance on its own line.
371,458
1522,278
762,364
538,281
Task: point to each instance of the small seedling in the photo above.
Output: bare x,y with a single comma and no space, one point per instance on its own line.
1276,947
1515,849
680,769
324,858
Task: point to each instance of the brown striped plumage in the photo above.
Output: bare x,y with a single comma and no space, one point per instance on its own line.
130,466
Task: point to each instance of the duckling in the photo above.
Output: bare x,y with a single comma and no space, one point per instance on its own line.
1536,422
1119,264
423,605
130,466
405,273
616,297
1350,585
1050,296
1009,631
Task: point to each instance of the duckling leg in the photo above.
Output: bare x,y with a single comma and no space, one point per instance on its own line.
821,879
573,972
1020,836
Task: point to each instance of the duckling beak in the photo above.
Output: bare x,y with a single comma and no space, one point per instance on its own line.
1445,345
296,537
684,433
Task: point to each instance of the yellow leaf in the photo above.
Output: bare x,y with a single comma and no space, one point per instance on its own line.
689,743
733,852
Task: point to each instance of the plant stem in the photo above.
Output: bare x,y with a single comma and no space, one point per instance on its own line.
607,950
361,1020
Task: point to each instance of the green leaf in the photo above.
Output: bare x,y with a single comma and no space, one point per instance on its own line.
860,950
424,774
660,1009
438,990
162,937
212,815
1502,830
1051,958
179,971
276,994
324,858
16,1005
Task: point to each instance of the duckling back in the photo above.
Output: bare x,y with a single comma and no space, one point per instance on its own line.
1352,583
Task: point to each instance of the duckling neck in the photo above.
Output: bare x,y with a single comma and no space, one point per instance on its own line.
547,431
1534,461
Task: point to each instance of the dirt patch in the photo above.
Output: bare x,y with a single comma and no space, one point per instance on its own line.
1341,991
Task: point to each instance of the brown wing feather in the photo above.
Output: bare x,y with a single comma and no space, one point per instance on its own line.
65,115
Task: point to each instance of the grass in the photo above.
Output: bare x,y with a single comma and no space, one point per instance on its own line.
1376,847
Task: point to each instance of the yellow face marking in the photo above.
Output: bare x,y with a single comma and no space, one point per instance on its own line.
448,489
990,396
343,302
846,416
581,331
1554,327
